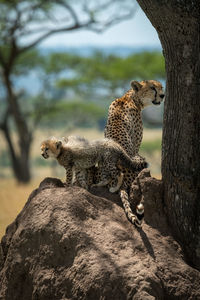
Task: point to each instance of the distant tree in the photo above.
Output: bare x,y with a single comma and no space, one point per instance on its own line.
23,25
76,90
74,114
106,76
178,25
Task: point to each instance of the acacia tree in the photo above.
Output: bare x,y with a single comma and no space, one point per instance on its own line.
23,25
178,26
108,73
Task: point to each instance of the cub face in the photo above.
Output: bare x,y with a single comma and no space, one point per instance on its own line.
148,91
51,148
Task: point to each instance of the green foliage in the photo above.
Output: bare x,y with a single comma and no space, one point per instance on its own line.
111,72
147,65
27,62
74,114
90,80
58,62
151,146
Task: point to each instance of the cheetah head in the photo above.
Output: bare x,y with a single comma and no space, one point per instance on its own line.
51,148
148,92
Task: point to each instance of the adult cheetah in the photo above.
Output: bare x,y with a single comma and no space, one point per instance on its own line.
124,126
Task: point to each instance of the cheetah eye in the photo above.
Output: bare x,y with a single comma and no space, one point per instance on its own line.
153,88
46,149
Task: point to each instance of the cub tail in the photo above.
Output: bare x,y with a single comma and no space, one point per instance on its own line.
137,218
137,163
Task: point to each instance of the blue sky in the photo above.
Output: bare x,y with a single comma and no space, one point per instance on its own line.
134,32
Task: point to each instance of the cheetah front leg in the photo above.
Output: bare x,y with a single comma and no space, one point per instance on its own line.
81,175
69,176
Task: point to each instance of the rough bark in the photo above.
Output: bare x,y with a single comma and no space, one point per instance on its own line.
178,26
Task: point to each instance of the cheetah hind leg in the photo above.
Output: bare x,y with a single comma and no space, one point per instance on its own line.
109,180
104,176
101,183
114,188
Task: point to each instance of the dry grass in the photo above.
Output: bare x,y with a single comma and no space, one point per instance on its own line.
13,196
152,134
12,199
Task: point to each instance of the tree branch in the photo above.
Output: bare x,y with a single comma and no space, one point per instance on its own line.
16,24
71,11
92,23
100,7
54,31
109,23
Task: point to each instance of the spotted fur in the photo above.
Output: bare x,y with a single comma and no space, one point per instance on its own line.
77,156
124,126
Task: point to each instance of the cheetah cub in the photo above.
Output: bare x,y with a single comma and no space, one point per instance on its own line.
77,155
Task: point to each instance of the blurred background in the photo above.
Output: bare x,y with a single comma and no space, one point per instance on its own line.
61,65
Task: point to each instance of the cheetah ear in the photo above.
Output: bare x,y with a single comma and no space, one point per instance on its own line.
65,139
58,144
136,86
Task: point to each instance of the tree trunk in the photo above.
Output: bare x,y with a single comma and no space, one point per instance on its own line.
20,166
178,26
20,161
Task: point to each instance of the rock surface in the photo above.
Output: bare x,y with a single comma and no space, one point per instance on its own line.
68,243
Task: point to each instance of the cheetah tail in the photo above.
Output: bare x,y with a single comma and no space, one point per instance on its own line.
135,164
137,218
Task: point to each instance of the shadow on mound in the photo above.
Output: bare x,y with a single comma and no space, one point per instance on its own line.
68,243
